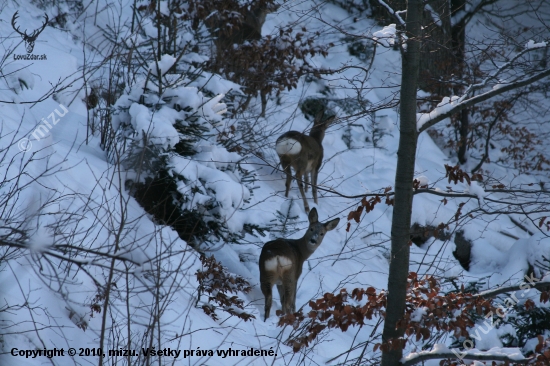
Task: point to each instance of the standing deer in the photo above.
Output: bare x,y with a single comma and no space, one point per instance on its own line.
281,262
304,154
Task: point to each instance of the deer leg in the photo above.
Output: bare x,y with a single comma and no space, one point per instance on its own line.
306,180
292,302
301,187
314,184
266,290
281,290
288,306
288,179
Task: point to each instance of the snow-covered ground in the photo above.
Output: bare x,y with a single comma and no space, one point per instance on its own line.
66,177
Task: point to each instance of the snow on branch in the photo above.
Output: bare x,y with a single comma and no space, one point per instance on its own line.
445,106
434,15
454,104
505,289
386,37
531,44
442,352
159,68
508,65
396,14
467,12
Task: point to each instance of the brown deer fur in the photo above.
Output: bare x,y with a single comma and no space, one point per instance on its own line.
304,154
281,262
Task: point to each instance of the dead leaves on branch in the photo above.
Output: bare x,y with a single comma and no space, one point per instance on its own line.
216,281
288,61
455,175
270,63
367,205
427,311
334,311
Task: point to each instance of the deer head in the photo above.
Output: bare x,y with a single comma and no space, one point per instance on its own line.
29,39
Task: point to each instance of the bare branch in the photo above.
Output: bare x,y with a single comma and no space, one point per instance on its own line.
482,97
478,356
506,289
396,14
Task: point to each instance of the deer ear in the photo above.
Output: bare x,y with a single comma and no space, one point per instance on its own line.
313,217
332,224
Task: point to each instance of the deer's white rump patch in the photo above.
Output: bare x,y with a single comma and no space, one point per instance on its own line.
288,146
278,263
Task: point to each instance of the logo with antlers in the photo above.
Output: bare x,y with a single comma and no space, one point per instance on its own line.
29,39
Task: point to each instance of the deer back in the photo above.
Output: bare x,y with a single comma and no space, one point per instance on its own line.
302,148
304,153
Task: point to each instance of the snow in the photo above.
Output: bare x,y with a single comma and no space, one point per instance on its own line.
422,180
418,313
165,63
531,44
512,353
446,104
387,36
396,12
227,190
434,15
158,126
17,77
475,188
502,265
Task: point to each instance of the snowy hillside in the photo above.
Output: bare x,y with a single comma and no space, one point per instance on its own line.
74,238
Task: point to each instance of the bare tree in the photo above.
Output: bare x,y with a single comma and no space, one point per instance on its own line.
402,210
509,77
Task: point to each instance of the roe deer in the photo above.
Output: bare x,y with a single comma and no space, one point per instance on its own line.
304,154
281,262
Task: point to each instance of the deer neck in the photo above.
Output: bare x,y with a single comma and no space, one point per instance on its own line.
302,248
318,133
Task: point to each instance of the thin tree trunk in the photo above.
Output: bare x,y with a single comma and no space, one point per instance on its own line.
401,219
437,61
463,129
459,50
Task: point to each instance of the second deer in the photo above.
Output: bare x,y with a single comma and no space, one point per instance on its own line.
304,154
281,262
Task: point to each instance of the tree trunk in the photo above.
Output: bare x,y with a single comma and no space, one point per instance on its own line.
463,129
401,219
459,49
437,61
